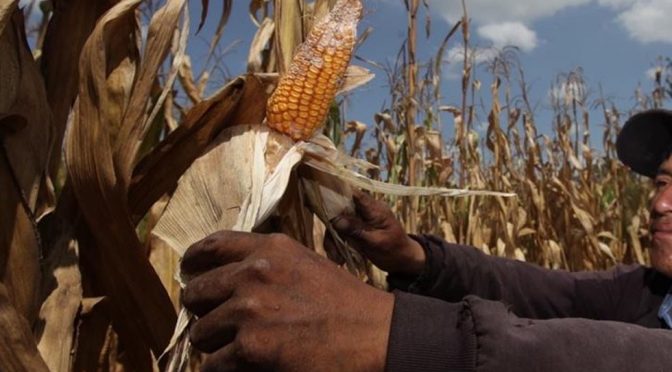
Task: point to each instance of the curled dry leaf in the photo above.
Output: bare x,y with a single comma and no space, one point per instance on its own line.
134,123
16,339
70,25
259,44
7,8
24,155
359,129
355,77
97,170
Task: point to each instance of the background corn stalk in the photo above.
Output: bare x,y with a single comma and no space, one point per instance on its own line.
84,286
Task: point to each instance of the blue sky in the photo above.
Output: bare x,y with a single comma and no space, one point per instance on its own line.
615,42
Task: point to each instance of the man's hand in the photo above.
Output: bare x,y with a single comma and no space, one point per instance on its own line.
265,302
377,234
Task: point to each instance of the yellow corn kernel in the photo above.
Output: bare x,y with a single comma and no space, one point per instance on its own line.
301,101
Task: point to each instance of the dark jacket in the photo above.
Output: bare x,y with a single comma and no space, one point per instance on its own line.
473,312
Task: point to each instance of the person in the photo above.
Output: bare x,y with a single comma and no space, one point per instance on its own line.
265,302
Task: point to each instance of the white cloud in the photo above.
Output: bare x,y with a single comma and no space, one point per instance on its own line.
644,20
617,4
509,34
455,54
491,11
455,59
648,21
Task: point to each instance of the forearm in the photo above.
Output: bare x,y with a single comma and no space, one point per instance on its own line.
482,335
454,271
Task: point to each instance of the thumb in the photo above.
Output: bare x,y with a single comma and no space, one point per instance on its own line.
350,227
345,224
369,208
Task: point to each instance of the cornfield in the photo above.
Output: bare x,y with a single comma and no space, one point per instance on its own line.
99,120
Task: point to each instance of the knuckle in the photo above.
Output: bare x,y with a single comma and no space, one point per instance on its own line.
260,269
189,296
211,242
194,293
280,240
248,307
207,246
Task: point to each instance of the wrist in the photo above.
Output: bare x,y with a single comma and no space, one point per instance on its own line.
415,259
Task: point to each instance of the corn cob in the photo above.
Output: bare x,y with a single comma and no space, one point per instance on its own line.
301,101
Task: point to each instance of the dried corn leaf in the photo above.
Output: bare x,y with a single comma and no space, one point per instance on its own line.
19,248
359,129
186,76
17,347
7,8
181,36
288,30
24,153
355,77
142,312
94,327
363,182
22,92
135,119
158,172
223,19
259,44
255,6
70,25
634,239
61,305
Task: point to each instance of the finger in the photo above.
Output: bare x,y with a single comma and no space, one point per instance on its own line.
231,358
220,361
224,360
348,226
369,208
219,249
354,230
213,331
206,291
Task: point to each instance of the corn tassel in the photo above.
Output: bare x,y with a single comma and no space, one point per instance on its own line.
304,94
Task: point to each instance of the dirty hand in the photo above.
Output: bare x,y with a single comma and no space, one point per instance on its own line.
265,302
377,234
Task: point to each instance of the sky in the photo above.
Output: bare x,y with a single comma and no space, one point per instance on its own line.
616,43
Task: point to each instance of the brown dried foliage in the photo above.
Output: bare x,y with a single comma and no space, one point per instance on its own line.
83,287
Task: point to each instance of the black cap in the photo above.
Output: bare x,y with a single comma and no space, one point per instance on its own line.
644,140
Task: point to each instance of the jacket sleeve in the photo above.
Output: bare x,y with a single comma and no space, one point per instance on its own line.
454,271
481,335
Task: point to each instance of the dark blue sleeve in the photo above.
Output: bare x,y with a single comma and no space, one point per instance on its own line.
480,335
455,271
